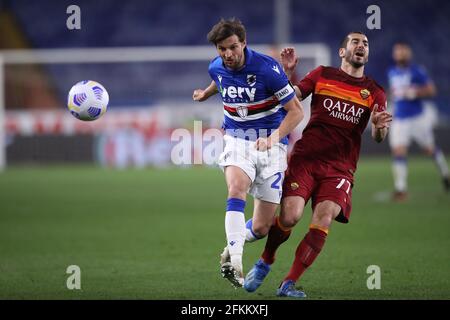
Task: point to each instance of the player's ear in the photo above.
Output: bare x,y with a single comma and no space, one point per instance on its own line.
341,52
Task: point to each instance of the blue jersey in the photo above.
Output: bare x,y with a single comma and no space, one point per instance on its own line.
401,78
253,97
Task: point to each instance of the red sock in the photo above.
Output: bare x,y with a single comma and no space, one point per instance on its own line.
277,235
307,251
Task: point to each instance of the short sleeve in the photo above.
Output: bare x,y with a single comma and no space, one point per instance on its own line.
278,83
211,72
308,83
212,68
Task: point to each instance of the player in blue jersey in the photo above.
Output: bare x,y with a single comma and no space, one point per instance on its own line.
260,109
409,86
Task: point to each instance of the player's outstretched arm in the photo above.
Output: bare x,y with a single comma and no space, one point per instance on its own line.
203,95
289,61
380,124
293,117
426,91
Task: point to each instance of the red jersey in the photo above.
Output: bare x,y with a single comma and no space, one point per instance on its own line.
340,109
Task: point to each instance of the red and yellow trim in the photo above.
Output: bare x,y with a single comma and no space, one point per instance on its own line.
344,91
315,226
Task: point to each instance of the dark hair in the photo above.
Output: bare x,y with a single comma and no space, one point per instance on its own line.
345,40
226,28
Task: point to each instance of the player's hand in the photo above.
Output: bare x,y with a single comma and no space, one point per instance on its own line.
199,95
289,60
381,119
263,144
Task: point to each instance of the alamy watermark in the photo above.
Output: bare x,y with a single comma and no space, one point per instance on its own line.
374,280
374,20
74,280
73,22
214,146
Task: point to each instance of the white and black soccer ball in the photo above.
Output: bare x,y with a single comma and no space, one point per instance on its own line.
87,100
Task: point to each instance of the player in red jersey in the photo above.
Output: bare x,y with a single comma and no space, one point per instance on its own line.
323,161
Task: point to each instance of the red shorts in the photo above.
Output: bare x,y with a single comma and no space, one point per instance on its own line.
320,181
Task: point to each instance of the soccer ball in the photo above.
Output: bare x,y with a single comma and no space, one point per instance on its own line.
87,100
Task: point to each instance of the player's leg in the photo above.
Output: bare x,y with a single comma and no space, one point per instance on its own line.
425,138
400,172
441,163
297,188
331,201
257,227
238,182
442,166
267,195
309,248
291,212
239,172
263,218
292,205
399,139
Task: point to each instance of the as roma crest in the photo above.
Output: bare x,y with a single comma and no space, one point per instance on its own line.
364,93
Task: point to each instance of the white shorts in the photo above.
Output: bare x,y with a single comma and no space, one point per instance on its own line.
264,168
418,129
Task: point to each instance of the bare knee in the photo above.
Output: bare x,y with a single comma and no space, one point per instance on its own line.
429,151
325,212
236,190
237,182
261,228
400,151
291,211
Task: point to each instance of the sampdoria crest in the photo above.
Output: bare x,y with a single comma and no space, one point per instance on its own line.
251,79
242,111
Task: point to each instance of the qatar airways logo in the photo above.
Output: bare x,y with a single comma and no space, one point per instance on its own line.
344,111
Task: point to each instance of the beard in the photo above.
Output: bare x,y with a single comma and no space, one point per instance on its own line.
354,62
235,63
403,62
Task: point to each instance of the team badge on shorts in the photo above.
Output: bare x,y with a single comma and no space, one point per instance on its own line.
364,93
294,185
242,111
251,79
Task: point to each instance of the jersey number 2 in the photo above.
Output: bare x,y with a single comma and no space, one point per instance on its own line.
275,184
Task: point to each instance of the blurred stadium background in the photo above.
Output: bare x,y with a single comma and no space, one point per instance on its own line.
139,232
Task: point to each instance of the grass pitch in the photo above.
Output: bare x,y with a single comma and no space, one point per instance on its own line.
157,234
